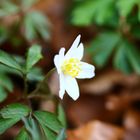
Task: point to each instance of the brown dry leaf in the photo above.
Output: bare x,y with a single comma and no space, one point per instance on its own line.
132,120
105,81
96,130
88,108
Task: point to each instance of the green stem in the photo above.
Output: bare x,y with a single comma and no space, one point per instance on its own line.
25,86
40,84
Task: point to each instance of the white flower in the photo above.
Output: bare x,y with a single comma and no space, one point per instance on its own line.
69,67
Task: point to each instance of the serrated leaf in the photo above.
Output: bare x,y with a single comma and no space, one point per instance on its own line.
7,123
35,23
3,94
8,60
23,135
15,110
49,120
33,56
61,115
48,133
102,47
121,61
89,11
41,24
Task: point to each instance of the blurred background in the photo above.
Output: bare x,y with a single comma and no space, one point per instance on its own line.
109,105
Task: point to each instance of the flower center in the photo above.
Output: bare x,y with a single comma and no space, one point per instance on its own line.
71,67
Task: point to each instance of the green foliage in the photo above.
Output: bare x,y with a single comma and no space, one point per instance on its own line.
29,24
119,31
35,23
15,111
32,128
23,135
62,135
61,115
48,133
3,34
6,82
6,86
121,61
35,74
51,122
7,7
3,94
18,66
89,11
9,61
126,57
7,123
11,114
125,6
45,126
33,56
103,46
27,3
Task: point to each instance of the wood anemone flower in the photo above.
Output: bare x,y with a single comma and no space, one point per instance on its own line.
69,67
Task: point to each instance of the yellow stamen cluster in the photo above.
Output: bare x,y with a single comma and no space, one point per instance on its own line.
71,67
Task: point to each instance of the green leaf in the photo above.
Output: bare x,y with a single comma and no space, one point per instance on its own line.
33,56
102,47
49,120
27,3
62,135
30,32
8,60
6,82
133,57
121,61
3,94
84,13
35,23
23,135
7,123
48,133
8,8
135,30
32,127
35,74
15,110
125,6
61,115
3,34
127,58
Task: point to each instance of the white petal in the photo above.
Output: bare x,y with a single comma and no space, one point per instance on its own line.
62,86
88,71
58,59
61,55
74,46
57,63
71,87
76,53
80,51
